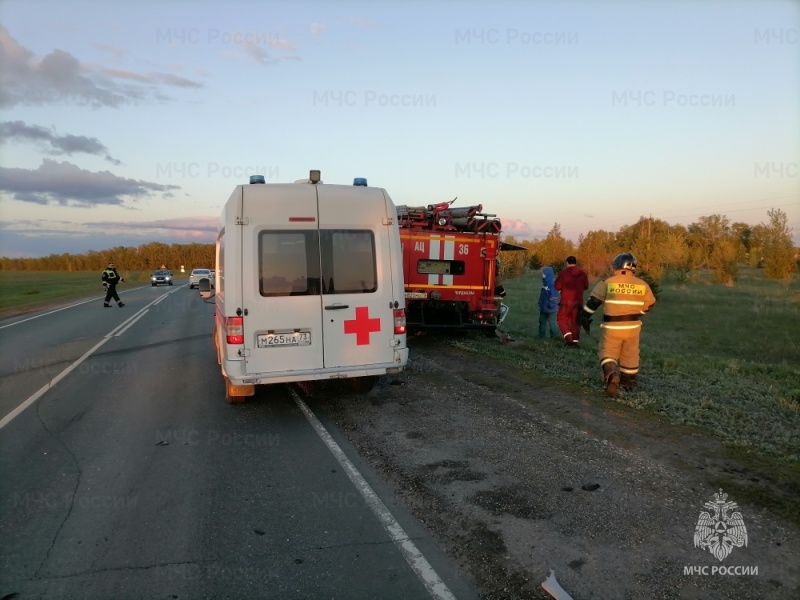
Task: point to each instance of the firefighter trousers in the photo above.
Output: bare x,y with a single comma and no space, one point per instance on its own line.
622,347
569,322
111,292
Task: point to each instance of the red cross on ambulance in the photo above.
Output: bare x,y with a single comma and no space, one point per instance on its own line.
362,325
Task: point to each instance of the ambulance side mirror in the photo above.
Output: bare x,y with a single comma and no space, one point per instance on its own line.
204,285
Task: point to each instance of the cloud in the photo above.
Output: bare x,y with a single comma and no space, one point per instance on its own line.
317,28
59,78
280,43
56,144
255,49
254,52
66,184
517,228
152,77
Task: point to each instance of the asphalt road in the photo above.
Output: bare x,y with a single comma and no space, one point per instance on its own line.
131,477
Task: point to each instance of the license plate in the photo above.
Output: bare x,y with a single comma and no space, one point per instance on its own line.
297,338
416,295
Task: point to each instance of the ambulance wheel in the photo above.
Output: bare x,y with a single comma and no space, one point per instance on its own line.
362,385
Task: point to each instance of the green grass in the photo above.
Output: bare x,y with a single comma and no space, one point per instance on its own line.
726,360
22,291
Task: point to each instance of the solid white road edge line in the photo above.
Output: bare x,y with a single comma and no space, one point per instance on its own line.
70,306
419,564
50,384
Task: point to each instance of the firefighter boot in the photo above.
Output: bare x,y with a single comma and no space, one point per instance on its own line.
627,382
611,376
106,305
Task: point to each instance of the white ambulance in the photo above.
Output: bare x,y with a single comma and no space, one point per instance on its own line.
309,285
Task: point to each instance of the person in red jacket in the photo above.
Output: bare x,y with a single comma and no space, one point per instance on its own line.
571,282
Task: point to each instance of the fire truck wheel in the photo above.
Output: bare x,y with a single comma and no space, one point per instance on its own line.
362,385
490,332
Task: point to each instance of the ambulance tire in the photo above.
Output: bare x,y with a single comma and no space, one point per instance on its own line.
363,385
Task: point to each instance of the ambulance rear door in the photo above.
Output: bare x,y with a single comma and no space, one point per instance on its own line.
359,282
280,279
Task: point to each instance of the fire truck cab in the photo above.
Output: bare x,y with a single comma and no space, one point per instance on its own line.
450,263
309,285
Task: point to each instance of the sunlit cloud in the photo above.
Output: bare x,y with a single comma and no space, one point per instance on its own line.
59,78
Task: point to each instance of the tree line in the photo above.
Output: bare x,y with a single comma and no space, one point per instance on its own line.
660,249
663,250
147,257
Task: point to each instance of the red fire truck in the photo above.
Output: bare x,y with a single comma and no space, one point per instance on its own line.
450,262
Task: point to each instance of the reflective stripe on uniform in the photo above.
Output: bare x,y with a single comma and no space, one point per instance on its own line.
626,302
629,370
622,325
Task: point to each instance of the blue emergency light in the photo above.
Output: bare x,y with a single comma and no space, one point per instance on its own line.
360,181
256,179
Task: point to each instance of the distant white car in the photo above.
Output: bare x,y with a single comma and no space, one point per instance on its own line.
198,274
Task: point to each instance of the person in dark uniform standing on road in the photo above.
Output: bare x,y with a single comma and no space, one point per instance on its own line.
110,280
572,282
626,299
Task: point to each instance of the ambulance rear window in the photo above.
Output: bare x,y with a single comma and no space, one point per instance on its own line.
348,261
288,263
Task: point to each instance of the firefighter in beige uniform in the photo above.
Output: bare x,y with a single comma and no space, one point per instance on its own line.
626,299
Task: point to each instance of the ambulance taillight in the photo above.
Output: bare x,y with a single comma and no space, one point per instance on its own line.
234,330
399,321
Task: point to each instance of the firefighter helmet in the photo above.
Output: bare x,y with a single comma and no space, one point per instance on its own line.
624,261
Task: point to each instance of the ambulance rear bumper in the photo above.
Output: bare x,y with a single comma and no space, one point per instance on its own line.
233,370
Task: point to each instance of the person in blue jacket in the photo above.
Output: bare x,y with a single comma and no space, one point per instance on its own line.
548,305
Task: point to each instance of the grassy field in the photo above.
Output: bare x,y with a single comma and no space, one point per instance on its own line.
27,290
726,360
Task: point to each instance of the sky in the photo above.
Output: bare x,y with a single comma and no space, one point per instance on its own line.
123,123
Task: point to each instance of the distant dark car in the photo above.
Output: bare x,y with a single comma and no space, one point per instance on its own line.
161,278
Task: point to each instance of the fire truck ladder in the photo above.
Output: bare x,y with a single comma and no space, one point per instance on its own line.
441,217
